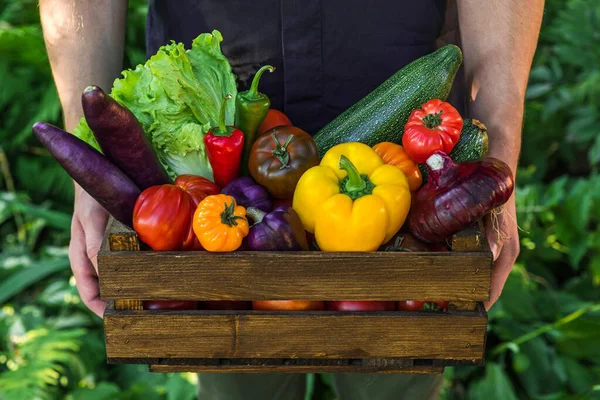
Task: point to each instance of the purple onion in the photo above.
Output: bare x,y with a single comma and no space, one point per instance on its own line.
279,230
248,193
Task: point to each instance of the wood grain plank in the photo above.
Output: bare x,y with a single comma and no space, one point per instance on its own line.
129,305
150,275
121,237
255,334
299,369
471,239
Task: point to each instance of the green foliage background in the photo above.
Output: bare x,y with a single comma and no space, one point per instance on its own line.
544,340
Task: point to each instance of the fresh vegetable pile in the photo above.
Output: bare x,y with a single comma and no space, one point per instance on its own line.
177,154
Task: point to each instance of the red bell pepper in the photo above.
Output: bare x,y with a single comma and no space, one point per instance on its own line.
434,127
224,145
163,214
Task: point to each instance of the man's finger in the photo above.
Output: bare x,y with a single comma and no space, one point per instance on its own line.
502,267
93,224
495,239
84,272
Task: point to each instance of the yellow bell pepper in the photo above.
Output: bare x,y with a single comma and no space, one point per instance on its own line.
352,201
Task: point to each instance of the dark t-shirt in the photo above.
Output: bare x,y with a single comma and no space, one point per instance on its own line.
328,53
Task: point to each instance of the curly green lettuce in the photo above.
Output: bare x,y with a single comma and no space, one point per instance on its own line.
176,96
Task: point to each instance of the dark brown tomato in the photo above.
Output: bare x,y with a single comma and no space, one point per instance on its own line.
279,157
227,305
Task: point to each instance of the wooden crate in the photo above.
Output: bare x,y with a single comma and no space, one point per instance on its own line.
294,341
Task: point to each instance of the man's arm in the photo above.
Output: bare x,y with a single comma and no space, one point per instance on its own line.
499,38
85,42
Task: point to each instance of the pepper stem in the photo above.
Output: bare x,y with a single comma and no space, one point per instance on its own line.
228,216
281,152
222,129
255,214
432,121
355,182
253,91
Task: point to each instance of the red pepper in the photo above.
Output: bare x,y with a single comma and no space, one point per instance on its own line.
224,145
434,127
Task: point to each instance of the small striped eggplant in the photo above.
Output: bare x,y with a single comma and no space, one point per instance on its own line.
248,193
279,230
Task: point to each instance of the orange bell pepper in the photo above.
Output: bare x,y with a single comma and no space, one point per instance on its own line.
394,154
220,224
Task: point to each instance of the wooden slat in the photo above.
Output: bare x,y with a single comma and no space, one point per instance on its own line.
471,239
299,369
121,238
294,275
129,305
256,334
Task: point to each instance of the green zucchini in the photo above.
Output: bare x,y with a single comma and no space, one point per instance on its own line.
473,142
381,115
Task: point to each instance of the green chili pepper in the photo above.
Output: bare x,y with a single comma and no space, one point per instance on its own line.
251,107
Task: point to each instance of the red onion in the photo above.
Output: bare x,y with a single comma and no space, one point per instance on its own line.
457,195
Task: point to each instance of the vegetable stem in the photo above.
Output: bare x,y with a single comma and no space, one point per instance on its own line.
255,214
253,93
435,162
227,216
222,129
432,121
281,152
355,182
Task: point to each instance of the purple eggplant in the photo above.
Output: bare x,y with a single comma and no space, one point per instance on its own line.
248,193
279,230
106,183
122,138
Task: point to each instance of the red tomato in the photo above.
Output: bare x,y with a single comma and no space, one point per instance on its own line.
292,305
349,305
414,305
410,305
274,118
169,305
435,126
227,305
163,214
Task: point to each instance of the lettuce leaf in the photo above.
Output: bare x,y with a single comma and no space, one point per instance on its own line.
176,96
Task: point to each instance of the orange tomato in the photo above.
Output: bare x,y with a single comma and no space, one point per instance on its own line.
290,305
220,224
394,154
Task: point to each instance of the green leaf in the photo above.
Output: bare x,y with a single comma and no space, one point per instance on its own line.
594,152
53,218
26,277
494,385
310,386
545,374
102,391
538,90
580,339
179,388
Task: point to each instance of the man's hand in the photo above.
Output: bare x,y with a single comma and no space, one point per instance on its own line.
503,236
85,42
87,230
498,39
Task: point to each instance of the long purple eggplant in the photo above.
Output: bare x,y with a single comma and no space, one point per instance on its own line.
106,183
122,138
